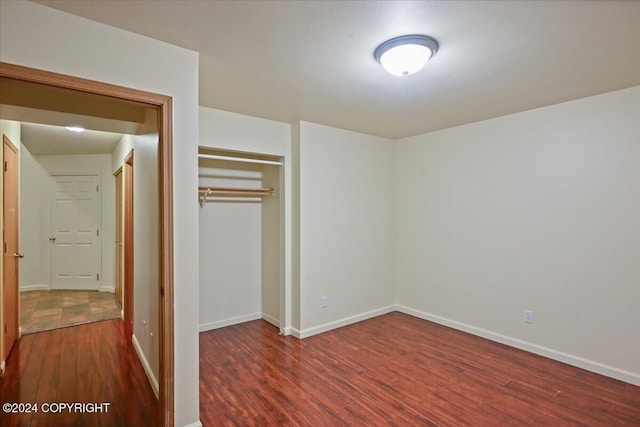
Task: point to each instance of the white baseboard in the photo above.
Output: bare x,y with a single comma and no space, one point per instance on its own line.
196,424
2,366
589,365
304,333
286,331
45,287
228,322
146,366
293,331
122,314
275,322
40,287
72,288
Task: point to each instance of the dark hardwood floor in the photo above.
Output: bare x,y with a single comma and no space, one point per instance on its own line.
396,370
90,363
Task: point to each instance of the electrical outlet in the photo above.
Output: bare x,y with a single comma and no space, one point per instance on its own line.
324,302
528,316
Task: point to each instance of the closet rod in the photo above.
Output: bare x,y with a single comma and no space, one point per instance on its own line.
205,192
236,191
240,159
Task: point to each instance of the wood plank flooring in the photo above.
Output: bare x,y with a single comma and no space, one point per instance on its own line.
95,362
396,370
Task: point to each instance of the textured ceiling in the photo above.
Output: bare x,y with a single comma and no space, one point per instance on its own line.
313,60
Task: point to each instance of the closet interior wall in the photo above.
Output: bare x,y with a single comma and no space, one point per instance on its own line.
239,245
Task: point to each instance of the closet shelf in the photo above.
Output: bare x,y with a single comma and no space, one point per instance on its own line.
206,192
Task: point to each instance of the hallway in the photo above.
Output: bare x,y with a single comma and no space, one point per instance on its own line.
92,363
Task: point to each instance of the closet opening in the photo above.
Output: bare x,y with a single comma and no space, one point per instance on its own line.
241,238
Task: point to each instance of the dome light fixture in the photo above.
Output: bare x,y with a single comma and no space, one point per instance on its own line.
405,55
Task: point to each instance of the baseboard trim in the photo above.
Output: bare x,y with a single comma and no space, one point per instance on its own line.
41,287
2,366
295,332
44,287
61,288
196,424
589,365
228,322
275,322
287,331
146,366
305,333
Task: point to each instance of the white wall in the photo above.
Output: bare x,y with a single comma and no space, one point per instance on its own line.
538,210
35,218
230,131
122,150
12,130
115,56
82,164
346,226
146,244
230,247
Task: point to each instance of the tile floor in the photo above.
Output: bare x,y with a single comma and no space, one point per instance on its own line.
45,310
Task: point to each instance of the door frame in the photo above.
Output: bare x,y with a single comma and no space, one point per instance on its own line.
15,304
163,104
128,224
118,177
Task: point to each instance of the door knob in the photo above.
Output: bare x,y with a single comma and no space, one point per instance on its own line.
18,255
53,239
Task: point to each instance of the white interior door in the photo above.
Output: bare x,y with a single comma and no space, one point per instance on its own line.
75,221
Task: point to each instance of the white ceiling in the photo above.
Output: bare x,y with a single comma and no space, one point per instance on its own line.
46,139
313,60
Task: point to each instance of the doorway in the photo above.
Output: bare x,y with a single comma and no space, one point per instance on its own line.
161,105
242,256
67,280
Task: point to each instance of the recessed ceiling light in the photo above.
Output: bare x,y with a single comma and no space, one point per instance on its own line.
77,129
404,55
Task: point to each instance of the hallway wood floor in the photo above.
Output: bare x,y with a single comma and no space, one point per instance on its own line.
396,370
95,362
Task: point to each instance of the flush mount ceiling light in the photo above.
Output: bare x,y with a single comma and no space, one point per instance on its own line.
404,55
76,129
